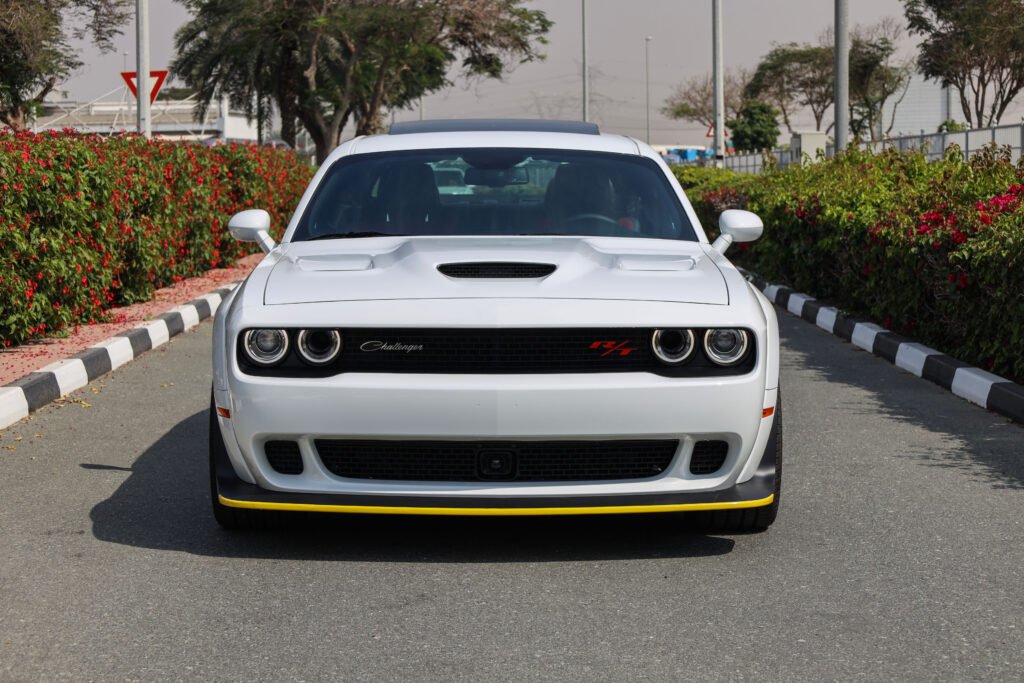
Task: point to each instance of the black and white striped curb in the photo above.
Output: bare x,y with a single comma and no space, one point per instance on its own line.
36,389
974,384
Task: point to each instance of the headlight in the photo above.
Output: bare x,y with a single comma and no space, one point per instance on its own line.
266,347
673,346
725,346
319,347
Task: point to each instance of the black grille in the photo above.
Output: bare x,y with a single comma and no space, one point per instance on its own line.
284,456
498,351
708,456
497,269
495,351
471,460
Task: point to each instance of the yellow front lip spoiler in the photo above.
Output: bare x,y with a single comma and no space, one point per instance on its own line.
496,512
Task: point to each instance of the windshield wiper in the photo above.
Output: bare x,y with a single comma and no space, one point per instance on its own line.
363,233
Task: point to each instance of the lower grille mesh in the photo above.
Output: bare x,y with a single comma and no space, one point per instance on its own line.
284,456
708,456
527,460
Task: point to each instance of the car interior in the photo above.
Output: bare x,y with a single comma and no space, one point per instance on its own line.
501,194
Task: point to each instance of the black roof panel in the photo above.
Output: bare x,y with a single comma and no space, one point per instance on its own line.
493,125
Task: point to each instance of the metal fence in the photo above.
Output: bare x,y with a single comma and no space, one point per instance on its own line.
933,144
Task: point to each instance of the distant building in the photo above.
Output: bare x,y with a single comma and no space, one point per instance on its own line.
172,119
924,107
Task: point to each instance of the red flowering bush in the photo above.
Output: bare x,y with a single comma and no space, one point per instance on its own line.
931,250
89,222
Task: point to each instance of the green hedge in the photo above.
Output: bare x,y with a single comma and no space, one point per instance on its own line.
87,223
934,251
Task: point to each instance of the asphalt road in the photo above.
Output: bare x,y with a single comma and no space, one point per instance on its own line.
897,555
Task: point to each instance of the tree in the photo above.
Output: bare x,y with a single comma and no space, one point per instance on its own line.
328,61
694,99
975,46
792,76
35,54
875,75
755,128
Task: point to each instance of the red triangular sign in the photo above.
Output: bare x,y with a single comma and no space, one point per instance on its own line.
156,80
711,132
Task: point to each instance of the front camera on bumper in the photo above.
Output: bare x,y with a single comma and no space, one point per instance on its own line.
266,347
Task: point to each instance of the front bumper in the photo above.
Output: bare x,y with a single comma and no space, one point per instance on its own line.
757,491
623,406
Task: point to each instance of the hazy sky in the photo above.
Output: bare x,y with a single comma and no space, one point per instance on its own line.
616,29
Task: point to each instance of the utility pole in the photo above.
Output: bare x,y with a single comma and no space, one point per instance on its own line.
716,30
586,75
145,125
647,83
842,68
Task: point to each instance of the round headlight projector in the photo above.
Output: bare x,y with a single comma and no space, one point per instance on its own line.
673,346
266,347
725,346
319,347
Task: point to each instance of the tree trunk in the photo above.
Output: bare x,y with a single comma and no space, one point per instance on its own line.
14,118
287,98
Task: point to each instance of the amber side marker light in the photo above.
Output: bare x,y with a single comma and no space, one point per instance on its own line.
223,412
767,412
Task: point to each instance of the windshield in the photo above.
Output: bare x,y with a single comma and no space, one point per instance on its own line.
494,192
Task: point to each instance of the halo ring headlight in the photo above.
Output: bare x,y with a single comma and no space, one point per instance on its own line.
673,346
318,346
726,346
265,347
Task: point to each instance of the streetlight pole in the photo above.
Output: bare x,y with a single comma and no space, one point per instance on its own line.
716,30
647,83
842,67
586,76
144,124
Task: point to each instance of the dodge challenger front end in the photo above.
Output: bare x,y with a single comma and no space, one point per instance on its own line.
559,339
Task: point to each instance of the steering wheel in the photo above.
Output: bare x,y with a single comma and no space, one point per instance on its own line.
592,217
609,226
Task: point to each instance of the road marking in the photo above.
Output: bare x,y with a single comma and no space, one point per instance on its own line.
796,303
864,335
13,406
827,319
118,348
70,374
189,315
158,333
911,357
974,384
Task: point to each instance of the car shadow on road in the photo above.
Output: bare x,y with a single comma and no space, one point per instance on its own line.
164,504
981,444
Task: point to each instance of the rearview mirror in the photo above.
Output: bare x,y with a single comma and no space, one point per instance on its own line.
252,225
737,226
497,177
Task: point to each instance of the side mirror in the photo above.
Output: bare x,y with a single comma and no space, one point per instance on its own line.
737,226
252,226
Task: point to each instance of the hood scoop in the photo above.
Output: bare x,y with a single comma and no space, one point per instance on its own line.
659,263
335,262
497,270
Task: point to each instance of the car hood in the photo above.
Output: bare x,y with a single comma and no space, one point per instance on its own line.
392,268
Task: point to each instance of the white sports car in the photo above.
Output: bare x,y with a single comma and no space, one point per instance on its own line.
560,340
